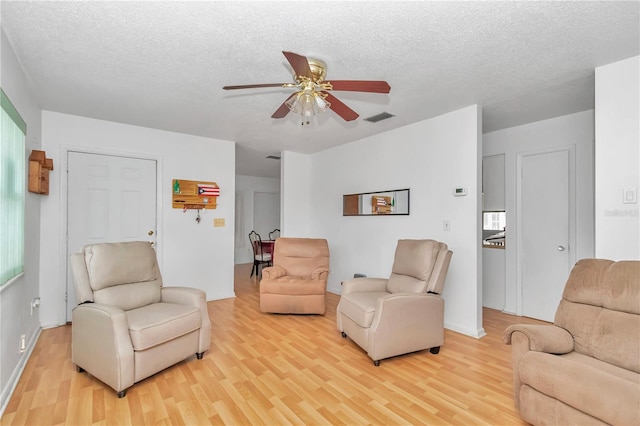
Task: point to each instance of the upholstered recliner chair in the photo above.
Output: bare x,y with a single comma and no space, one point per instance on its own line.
402,314
584,369
297,281
127,326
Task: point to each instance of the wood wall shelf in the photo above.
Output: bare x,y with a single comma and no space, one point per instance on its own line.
194,195
39,168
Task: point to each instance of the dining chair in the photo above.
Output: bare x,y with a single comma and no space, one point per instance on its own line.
273,235
260,255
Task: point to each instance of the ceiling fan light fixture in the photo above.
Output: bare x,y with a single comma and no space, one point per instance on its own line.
313,95
307,102
321,103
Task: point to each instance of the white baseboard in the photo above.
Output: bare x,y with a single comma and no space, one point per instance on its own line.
479,333
5,396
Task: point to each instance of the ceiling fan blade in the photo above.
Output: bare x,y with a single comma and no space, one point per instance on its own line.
299,63
254,86
360,85
284,109
340,108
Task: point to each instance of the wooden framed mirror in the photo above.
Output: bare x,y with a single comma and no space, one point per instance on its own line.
378,203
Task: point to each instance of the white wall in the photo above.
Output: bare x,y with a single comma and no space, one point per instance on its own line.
297,195
617,159
190,253
246,187
431,158
15,298
570,130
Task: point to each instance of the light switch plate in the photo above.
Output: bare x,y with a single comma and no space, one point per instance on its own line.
218,222
630,195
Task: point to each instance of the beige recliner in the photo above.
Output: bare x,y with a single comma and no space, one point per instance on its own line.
402,314
127,326
297,281
584,369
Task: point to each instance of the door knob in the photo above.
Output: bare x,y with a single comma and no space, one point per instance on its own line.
150,233
560,248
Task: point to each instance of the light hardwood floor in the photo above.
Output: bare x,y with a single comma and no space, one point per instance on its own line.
276,370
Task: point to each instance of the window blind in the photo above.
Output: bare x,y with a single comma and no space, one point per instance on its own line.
12,190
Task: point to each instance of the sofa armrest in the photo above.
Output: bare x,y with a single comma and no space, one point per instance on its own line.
533,337
100,344
274,272
183,295
364,284
542,338
194,297
320,274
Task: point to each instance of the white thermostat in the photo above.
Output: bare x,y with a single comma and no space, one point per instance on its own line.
459,192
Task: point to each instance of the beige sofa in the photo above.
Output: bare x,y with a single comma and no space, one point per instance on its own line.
402,314
127,326
585,368
297,281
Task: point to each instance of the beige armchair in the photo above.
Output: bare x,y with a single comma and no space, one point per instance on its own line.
297,281
402,314
584,369
127,326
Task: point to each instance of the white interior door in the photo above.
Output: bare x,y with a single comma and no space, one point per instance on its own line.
545,260
109,198
266,213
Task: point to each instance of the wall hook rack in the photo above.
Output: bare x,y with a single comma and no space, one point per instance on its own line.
194,195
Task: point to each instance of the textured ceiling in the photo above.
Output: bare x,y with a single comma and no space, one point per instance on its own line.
163,64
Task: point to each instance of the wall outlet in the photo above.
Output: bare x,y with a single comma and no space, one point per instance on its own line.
23,343
446,225
35,303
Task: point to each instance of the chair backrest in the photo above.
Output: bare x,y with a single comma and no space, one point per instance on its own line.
256,244
301,256
275,234
419,266
125,274
600,307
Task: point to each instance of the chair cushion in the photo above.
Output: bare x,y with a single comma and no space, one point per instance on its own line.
129,296
361,306
405,284
412,266
581,382
415,258
110,264
292,285
265,257
600,307
157,323
301,256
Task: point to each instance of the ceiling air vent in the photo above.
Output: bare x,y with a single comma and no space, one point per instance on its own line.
273,157
379,117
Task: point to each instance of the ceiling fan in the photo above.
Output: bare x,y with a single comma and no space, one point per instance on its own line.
313,90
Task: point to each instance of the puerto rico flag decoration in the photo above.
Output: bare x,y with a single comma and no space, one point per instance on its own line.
207,190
